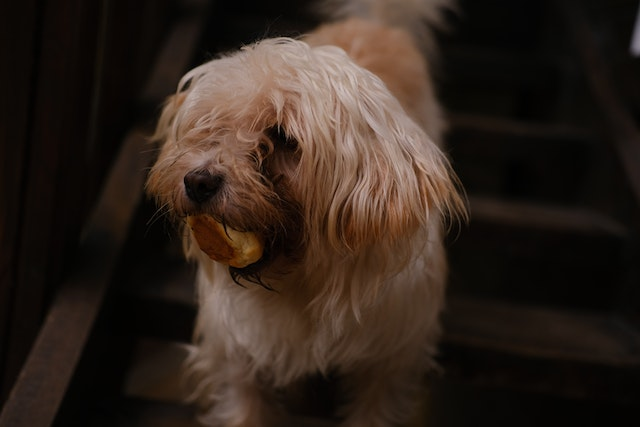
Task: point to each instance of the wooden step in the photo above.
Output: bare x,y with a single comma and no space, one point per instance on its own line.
579,354
500,24
513,63
514,158
159,298
154,394
491,342
545,217
544,254
455,403
501,83
133,412
566,257
488,344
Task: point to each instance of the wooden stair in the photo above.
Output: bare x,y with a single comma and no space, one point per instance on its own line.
543,319
541,307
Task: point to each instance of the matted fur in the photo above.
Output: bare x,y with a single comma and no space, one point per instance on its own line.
326,148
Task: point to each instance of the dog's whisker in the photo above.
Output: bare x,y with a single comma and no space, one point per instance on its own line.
152,150
162,212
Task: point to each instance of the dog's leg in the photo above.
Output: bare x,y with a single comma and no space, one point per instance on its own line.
242,402
382,396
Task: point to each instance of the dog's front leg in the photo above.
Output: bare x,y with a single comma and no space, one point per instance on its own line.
242,401
381,395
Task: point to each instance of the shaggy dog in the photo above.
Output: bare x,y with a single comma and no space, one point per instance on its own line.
327,149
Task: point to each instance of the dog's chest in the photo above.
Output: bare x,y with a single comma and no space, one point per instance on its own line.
279,336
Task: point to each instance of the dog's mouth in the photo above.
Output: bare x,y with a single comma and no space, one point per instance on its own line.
223,243
281,253
251,273
279,231
218,240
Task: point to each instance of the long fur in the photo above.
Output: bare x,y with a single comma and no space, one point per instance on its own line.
329,148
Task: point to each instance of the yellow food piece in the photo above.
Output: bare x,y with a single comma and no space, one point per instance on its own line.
225,245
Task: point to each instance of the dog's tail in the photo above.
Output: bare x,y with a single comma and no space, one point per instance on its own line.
418,17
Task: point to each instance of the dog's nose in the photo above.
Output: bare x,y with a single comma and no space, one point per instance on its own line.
201,185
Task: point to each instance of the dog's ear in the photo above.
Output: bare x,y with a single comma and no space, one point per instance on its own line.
400,182
368,174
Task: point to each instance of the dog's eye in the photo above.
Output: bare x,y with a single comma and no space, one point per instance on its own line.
265,149
280,139
186,85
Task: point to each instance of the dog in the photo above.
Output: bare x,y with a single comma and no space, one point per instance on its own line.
327,147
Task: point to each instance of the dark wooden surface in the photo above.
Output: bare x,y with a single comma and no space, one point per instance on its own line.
17,42
71,72
76,76
53,359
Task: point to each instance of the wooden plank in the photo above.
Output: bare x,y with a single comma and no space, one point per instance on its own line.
39,390
580,336
507,68
544,254
624,134
622,125
177,53
53,200
130,35
545,217
578,354
455,403
520,130
514,158
500,24
511,83
135,412
156,371
18,42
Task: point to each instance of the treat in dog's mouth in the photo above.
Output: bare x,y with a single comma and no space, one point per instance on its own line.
221,243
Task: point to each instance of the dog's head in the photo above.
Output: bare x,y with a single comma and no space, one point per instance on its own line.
301,146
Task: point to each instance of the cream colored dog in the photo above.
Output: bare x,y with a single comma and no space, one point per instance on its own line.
327,149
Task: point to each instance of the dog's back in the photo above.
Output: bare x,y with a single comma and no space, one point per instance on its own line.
390,39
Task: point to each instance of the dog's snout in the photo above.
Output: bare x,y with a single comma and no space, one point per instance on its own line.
201,185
